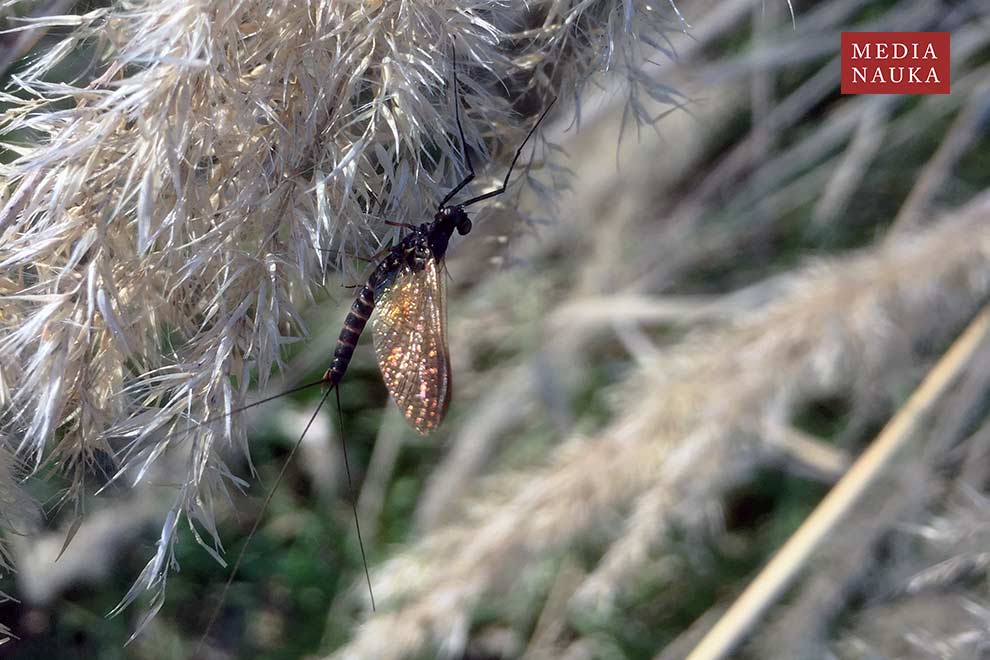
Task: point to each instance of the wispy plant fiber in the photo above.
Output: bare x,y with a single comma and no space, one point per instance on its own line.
173,205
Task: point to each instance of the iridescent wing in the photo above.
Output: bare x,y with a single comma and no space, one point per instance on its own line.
411,343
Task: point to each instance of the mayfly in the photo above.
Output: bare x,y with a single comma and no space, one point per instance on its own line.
408,291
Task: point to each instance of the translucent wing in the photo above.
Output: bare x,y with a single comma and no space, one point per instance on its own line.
411,343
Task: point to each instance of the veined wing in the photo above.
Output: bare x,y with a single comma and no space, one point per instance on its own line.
410,334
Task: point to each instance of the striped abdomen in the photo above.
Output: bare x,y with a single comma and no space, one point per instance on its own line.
354,324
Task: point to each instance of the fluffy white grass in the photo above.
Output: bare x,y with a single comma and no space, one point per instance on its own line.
174,205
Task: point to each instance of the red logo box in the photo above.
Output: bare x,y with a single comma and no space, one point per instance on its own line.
895,62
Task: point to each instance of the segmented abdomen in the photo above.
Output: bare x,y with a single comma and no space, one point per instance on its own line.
354,324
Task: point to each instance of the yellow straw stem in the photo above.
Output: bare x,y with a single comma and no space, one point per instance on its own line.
778,574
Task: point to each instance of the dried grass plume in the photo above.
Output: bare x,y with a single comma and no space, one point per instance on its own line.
174,204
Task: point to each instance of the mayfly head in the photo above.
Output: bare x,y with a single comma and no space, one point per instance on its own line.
453,217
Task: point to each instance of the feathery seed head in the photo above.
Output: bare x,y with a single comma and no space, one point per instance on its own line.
173,205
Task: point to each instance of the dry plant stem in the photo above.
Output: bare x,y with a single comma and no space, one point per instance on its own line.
956,143
689,638
843,567
784,115
856,160
815,147
736,624
761,96
740,159
553,619
822,461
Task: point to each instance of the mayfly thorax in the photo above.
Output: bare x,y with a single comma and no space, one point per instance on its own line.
404,298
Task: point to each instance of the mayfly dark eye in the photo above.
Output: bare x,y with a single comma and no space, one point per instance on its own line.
410,330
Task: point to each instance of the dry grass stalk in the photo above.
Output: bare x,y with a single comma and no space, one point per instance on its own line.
783,568
961,135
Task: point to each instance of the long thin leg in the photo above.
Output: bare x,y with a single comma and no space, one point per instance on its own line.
404,225
353,498
372,258
505,181
376,257
460,130
257,522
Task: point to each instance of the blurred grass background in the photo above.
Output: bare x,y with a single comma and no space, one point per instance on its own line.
736,299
